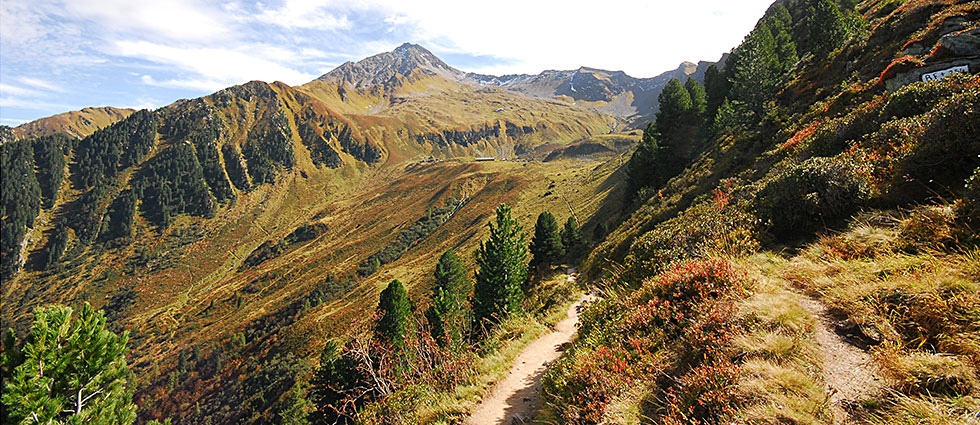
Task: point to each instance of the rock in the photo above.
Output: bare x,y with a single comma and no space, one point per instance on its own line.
965,43
862,336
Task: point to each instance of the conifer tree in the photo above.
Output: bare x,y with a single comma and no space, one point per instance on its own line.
393,325
599,232
646,166
716,87
675,107
546,246
757,72
336,380
826,26
449,316
502,270
70,369
699,100
571,238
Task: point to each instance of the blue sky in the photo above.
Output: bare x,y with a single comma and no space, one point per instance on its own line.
61,55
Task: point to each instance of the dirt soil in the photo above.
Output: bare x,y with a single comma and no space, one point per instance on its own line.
516,398
849,372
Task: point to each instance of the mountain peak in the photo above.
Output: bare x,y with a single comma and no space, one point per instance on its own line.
407,60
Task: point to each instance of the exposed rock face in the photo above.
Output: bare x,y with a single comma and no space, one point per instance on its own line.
963,43
408,60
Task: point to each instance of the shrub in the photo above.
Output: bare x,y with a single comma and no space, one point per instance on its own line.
919,98
630,340
706,394
968,209
929,227
946,151
809,196
706,229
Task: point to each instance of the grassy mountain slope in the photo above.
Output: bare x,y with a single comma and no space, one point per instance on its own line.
228,233
76,124
842,203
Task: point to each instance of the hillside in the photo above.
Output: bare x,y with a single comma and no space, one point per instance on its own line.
806,205
76,124
242,225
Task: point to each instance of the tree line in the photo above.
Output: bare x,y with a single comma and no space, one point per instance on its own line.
741,92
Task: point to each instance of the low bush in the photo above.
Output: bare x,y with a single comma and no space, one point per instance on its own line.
679,322
809,196
717,227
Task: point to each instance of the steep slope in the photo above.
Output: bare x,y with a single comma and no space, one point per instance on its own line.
832,162
76,124
408,61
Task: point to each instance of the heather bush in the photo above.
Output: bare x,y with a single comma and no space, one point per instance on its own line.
720,226
810,196
946,151
662,328
919,98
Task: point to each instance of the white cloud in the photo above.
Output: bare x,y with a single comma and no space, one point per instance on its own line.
171,19
8,89
218,66
643,38
303,14
41,84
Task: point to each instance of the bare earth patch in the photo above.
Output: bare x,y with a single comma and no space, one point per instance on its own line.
849,372
515,399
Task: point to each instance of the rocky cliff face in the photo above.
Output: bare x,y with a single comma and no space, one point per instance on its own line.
385,69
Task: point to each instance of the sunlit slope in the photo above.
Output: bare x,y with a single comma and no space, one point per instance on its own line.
76,124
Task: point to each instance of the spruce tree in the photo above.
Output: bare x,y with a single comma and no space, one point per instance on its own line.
675,107
716,87
599,232
646,166
393,325
571,238
826,27
449,316
757,73
546,246
699,100
336,380
502,270
70,369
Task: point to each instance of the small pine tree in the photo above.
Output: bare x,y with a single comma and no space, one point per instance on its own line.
449,316
69,370
599,232
757,72
393,325
335,382
571,238
826,27
675,107
502,270
546,246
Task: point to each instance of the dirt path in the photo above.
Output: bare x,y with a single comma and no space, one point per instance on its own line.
515,399
849,372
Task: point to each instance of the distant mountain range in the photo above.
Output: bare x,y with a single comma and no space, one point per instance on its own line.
610,92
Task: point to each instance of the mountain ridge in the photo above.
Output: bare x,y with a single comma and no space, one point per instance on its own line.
611,92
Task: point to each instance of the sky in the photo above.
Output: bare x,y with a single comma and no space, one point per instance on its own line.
62,55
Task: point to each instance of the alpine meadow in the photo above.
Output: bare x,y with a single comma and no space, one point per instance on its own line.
787,235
